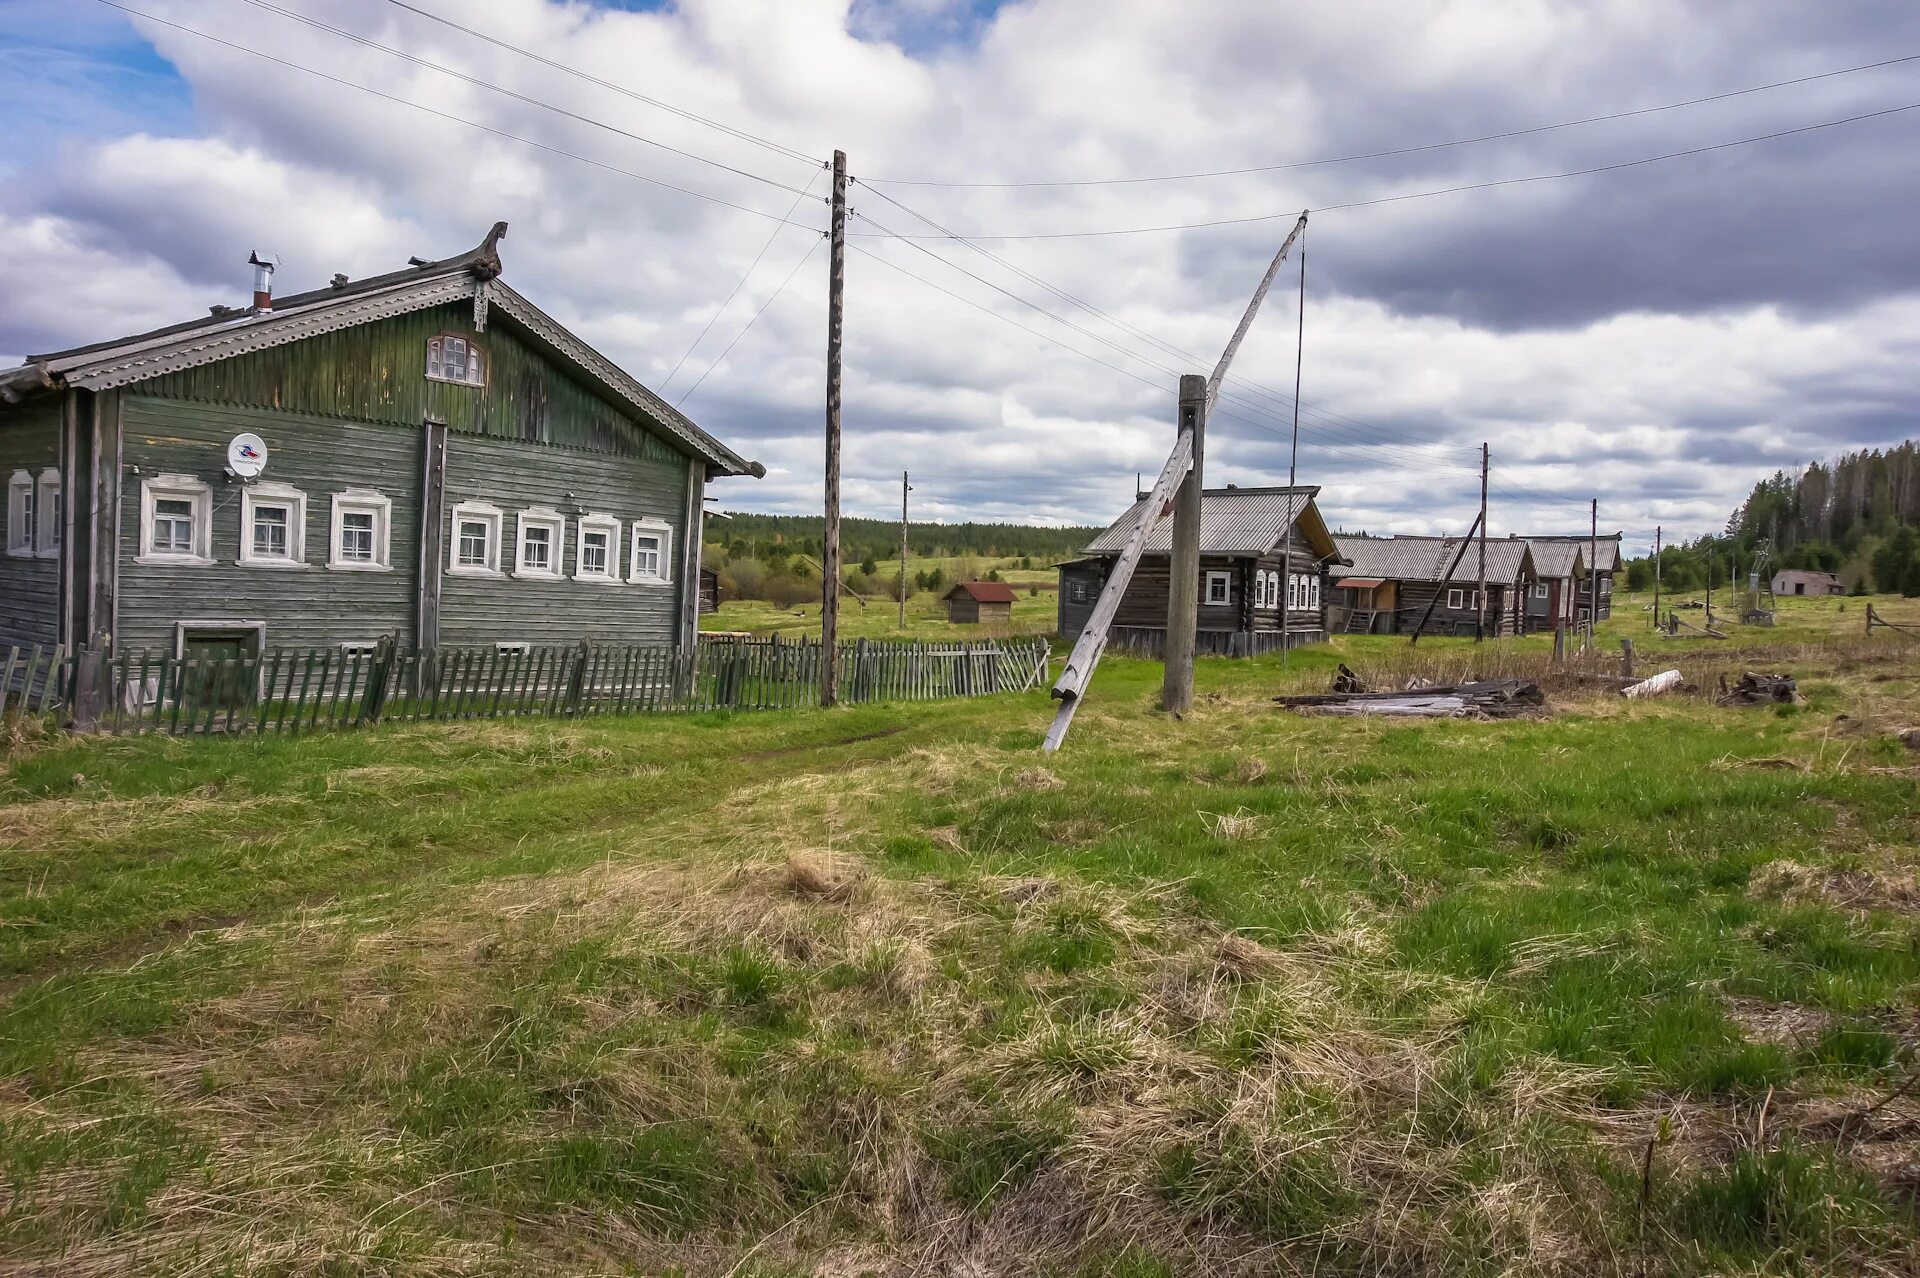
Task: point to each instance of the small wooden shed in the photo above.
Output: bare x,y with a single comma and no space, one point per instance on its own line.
975,601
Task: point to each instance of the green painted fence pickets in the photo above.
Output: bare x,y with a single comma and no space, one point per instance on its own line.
296,690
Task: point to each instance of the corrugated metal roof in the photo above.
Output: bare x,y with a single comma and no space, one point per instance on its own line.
1233,521
1426,558
1555,549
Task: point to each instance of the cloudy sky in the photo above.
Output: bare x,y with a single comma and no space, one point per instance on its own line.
1657,336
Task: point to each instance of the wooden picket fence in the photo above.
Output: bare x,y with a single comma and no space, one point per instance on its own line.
289,690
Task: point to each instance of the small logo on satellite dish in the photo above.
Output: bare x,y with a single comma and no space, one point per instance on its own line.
246,455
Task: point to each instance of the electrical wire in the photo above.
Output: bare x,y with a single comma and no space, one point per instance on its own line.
1404,150
742,283
446,115
269,7
1448,190
682,112
811,250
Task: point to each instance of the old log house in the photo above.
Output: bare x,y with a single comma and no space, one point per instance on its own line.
444,463
1390,582
1245,534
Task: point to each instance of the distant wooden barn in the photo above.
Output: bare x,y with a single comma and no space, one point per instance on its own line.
972,602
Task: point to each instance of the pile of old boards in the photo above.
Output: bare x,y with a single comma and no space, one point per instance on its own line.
1759,690
1486,699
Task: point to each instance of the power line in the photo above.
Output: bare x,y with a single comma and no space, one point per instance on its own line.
811,250
477,81
1450,190
1404,150
683,113
447,115
742,283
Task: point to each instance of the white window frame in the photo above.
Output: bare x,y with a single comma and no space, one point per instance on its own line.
1260,589
610,527
362,647
480,512
21,497
362,501
1539,590
294,500
1077,591
650,528
1224,580
187,488
476,374
512,649
556,525
48,510
1456,598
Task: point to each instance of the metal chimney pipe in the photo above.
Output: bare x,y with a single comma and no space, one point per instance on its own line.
262,282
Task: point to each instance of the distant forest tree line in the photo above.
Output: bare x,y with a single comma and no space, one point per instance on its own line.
777,557
1858,516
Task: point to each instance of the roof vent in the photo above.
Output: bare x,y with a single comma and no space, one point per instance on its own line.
217,310
262,282
338,281
418,261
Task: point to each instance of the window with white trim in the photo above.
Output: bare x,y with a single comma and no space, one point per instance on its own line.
1539,590
474,548
456,359
47,508
651,560
361,537
595,559
512,649
1456,599
541,544
1259,589
359,649
273,526
21,499
1219,588
176,520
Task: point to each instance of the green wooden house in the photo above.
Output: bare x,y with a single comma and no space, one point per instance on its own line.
444,463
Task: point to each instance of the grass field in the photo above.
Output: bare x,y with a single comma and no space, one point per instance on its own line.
1633,988
879,619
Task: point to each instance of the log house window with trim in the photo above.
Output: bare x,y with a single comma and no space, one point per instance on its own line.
599,542
651,560
456,359
46,539
474,548
273,527
1219,588
21,501
362,531
176,516
542,544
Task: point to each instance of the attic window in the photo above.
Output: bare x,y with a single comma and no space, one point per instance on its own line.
456,359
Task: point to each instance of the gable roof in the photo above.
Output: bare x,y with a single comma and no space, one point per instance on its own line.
1234,522
1604,550
472,276
1426,558
983,591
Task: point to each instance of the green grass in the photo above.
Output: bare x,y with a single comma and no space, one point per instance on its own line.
880,987
1035,614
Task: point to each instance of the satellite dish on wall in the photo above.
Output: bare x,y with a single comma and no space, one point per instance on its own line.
247,455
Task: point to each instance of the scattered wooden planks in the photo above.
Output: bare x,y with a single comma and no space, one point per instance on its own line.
1753,689
1487,699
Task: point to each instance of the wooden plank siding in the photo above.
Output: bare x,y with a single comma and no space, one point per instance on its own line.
514,476
310,606
29,584
1144,606
1414,596
377,372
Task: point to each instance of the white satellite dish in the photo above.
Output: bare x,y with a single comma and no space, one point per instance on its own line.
247,455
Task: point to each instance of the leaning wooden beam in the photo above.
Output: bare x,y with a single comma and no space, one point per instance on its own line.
1445,577
1072,683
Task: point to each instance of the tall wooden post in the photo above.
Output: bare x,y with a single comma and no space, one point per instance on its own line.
1656,576
905,488
830,546
1183,577
1480,599
1593,572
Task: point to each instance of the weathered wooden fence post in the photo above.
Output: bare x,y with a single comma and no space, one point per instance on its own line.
90,683
373,698
577,679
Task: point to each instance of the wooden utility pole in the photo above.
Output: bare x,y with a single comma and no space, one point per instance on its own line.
1593,570
904,490
1656,576
1480,599
1183,572
830,545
